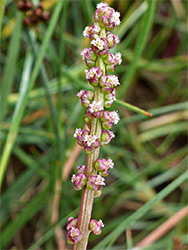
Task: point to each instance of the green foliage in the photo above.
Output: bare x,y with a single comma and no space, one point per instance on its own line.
41,73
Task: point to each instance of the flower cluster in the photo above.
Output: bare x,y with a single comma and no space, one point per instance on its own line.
100,62
74,235
102,166
95,226
87,141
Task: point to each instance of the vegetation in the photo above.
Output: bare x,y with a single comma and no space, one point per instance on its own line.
42,71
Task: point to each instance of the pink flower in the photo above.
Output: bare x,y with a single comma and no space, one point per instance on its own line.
79,134
92,31
100,46
95,226
95,109
90,143
106,137
115,18
95,182
79,181
74,235
72,223
106,16
109,98
89,56
118,58
86,97
109,82
109,119
112,39
93,75
103,166
101,5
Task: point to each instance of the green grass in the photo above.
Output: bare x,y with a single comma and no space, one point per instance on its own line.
41,73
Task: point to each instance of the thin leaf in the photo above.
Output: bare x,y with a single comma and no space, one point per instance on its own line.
26,214
20,107
133,108
141,42
111,238
11,66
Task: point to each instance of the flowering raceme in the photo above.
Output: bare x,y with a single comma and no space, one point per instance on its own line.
90,177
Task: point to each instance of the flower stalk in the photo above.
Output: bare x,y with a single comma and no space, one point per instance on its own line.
90,177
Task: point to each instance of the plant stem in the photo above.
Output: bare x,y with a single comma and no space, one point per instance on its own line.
88,195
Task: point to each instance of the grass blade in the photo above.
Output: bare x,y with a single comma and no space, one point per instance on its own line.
110,239
27,213
51,232
11,66
20,107
16,117
143,35
127,23
2,10
133,108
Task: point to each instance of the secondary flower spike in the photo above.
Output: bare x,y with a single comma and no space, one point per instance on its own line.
100,62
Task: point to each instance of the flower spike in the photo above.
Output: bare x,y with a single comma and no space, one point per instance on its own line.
100,61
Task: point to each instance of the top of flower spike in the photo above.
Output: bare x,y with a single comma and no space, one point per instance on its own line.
100,5
107,16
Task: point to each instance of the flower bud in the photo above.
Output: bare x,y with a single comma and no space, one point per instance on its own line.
79,134
95,109
38,11
92,31
86,97
74,235
89,56
109,98
28,5
45,15
112,39
95,182
103,15
109,119
90,143
72,223
97,193
95,226
102,166
106,137
118,58
79,181
111,62
100,46
109,82
21,5
93,75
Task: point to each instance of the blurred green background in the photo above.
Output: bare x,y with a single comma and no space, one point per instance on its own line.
41,72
